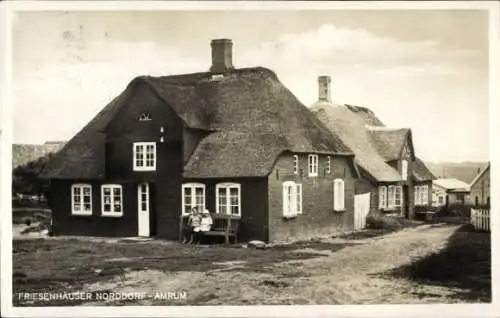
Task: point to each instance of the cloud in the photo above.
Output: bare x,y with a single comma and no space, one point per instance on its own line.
331,46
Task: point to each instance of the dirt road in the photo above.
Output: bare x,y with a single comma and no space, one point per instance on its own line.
349,275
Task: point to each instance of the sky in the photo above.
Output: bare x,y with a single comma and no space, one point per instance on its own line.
422,69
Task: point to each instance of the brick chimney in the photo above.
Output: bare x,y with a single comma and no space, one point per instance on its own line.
222,55
324,88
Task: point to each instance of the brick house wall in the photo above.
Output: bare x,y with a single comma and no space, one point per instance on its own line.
318,217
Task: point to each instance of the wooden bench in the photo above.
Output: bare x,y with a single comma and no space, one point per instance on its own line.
225,225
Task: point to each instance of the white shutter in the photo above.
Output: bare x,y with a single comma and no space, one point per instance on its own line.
404,169
338,195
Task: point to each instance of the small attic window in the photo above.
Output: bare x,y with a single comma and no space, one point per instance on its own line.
145,117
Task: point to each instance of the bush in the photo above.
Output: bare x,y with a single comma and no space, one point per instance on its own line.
379,221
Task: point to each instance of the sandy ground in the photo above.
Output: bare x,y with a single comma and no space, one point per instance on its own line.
346,276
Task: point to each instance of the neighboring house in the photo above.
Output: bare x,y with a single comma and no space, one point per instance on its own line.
25,153
234,141
480,188
447,191
396,180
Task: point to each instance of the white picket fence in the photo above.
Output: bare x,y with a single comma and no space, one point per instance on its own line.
480,219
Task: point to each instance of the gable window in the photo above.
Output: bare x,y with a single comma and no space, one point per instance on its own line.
338,195
144,156
112,200
382,197
313,165
292,199
404,169
228,198
295,164
329,164
81,199
145,117
193,195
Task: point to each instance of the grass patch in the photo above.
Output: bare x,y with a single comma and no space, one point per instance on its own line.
67,265
464,263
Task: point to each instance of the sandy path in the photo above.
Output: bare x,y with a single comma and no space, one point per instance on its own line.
339,277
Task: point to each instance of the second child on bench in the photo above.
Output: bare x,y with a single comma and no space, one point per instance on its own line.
205,226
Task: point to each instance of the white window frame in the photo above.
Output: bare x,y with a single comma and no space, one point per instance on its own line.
391,196
143,154
338,195
398,190
112,213
227,186
81,187
328,164
382,197
292,199
298,197
193,186
404,169
312,163
295,164
425,195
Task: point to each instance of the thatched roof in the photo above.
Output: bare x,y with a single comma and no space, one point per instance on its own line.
25,153
250,115
351,128
421,172
389,142
374,144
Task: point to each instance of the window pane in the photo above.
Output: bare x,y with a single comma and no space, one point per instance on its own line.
76,207
235,210
76,191
107,191
107,207
86,199
187,200
116,191
76,199
187,192
87,206
86,191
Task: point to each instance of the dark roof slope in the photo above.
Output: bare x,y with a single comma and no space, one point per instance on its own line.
476,179
251,115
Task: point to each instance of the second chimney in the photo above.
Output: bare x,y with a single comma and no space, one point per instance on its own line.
324,88
222,56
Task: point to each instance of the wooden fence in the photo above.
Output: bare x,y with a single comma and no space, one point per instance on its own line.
480,219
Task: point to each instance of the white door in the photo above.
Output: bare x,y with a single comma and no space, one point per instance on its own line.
361,209
143,209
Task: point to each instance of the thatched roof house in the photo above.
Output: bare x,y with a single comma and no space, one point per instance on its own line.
239,130
380,151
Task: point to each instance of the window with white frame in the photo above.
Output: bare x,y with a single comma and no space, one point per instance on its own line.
193,195
143,195
404,169
313,165
228,198
144,156
398,196
390,196
295,164
112,200
338,195
425,194
81,199
328,164
292,198
382,197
